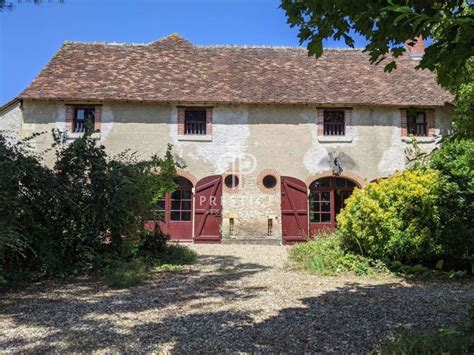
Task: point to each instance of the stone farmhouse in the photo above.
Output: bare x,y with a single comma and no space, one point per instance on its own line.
272,141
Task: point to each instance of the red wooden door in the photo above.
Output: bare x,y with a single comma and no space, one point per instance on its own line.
177,212
208,209
326,200
294,210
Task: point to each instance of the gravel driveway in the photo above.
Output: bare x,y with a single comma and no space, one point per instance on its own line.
236,298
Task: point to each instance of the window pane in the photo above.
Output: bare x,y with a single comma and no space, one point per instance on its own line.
324,182
341,182
186,194
315,218
316,206
326,196
326,207
80,114
176,195
186,205
175,216
314,196
175,205
186,216
420,118
325,217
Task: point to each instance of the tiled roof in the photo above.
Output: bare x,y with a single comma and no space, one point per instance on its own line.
174,70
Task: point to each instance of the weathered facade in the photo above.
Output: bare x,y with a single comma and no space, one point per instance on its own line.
231,135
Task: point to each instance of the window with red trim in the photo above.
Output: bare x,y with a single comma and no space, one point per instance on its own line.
334,123
195,121
417,124
82,116
327,197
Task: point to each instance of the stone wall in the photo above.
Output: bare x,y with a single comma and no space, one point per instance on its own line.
248,141
11,120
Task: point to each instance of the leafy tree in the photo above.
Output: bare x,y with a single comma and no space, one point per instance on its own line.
455,163
70,218
387,25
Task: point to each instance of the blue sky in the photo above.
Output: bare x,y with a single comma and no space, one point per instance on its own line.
31,34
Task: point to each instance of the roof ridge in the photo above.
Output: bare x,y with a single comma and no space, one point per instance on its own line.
271,47
212,46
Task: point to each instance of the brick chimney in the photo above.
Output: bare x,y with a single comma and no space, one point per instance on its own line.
415,48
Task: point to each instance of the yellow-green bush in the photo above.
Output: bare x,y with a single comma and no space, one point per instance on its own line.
396,218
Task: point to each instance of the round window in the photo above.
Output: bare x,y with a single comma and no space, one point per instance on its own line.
231,181
269,181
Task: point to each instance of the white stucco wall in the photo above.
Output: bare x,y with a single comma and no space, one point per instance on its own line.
248,140
11,121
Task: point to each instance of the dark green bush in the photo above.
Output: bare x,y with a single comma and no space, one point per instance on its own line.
79,215
455,163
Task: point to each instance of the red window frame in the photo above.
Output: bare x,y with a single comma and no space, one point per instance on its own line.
178,203
325,201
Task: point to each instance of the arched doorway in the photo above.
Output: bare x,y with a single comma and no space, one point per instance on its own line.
177,211
327,198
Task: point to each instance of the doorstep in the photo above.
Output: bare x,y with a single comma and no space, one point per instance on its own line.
252,241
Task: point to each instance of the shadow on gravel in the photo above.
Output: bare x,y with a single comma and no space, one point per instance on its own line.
79,313
351,318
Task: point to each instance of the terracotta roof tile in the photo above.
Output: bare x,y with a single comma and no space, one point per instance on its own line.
175,70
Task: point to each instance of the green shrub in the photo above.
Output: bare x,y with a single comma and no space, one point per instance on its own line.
73,218
127,274
396,219
176,254
325,256
455,163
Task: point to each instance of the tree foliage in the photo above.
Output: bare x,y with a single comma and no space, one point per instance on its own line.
425,214
65,219
455,163
387,25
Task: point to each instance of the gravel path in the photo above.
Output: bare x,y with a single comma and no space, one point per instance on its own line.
236,298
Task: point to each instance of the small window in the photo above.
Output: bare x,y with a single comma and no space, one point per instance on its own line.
269,181
231,181
82,116
416,124
334,123
195,122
